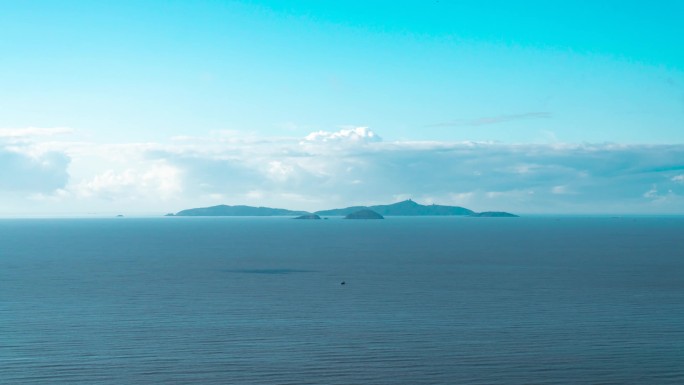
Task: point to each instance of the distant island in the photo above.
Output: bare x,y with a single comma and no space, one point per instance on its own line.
308,216
403,208
494,214
237,211
364,214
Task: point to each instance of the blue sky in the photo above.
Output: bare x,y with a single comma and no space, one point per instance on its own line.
155,106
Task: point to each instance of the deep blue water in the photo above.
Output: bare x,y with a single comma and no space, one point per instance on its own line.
259,301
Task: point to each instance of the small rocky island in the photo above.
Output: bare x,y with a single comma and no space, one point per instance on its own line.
494,214
364,214
308,216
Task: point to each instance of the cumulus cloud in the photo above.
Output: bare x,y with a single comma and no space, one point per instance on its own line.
348,135
159,181
25,170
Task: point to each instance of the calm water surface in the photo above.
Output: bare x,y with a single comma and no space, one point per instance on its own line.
259,301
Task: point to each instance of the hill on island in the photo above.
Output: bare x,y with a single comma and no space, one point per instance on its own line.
241,211
364,214
308,216
407,208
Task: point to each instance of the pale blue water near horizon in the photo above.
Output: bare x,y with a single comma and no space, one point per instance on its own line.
259,301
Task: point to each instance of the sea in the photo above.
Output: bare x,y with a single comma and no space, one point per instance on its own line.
405,300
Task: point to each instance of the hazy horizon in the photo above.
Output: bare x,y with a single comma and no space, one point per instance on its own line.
138,108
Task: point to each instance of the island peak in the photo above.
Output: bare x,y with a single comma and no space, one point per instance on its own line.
364,214
404,208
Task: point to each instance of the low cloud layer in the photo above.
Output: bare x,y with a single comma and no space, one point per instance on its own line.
29,132
350,166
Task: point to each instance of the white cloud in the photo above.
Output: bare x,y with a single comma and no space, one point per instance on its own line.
55,196
33,132
353,135
663,198
461,198
279,171
23,169
560,190
652,193
159,181
351,166
525,168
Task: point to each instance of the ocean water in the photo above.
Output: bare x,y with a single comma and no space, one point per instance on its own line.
259,301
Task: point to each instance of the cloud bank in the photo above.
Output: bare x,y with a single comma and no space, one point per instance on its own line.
33,132
349,166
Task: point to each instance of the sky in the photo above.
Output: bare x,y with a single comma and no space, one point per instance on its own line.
149,107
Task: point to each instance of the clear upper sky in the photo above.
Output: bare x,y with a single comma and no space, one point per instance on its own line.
101,103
